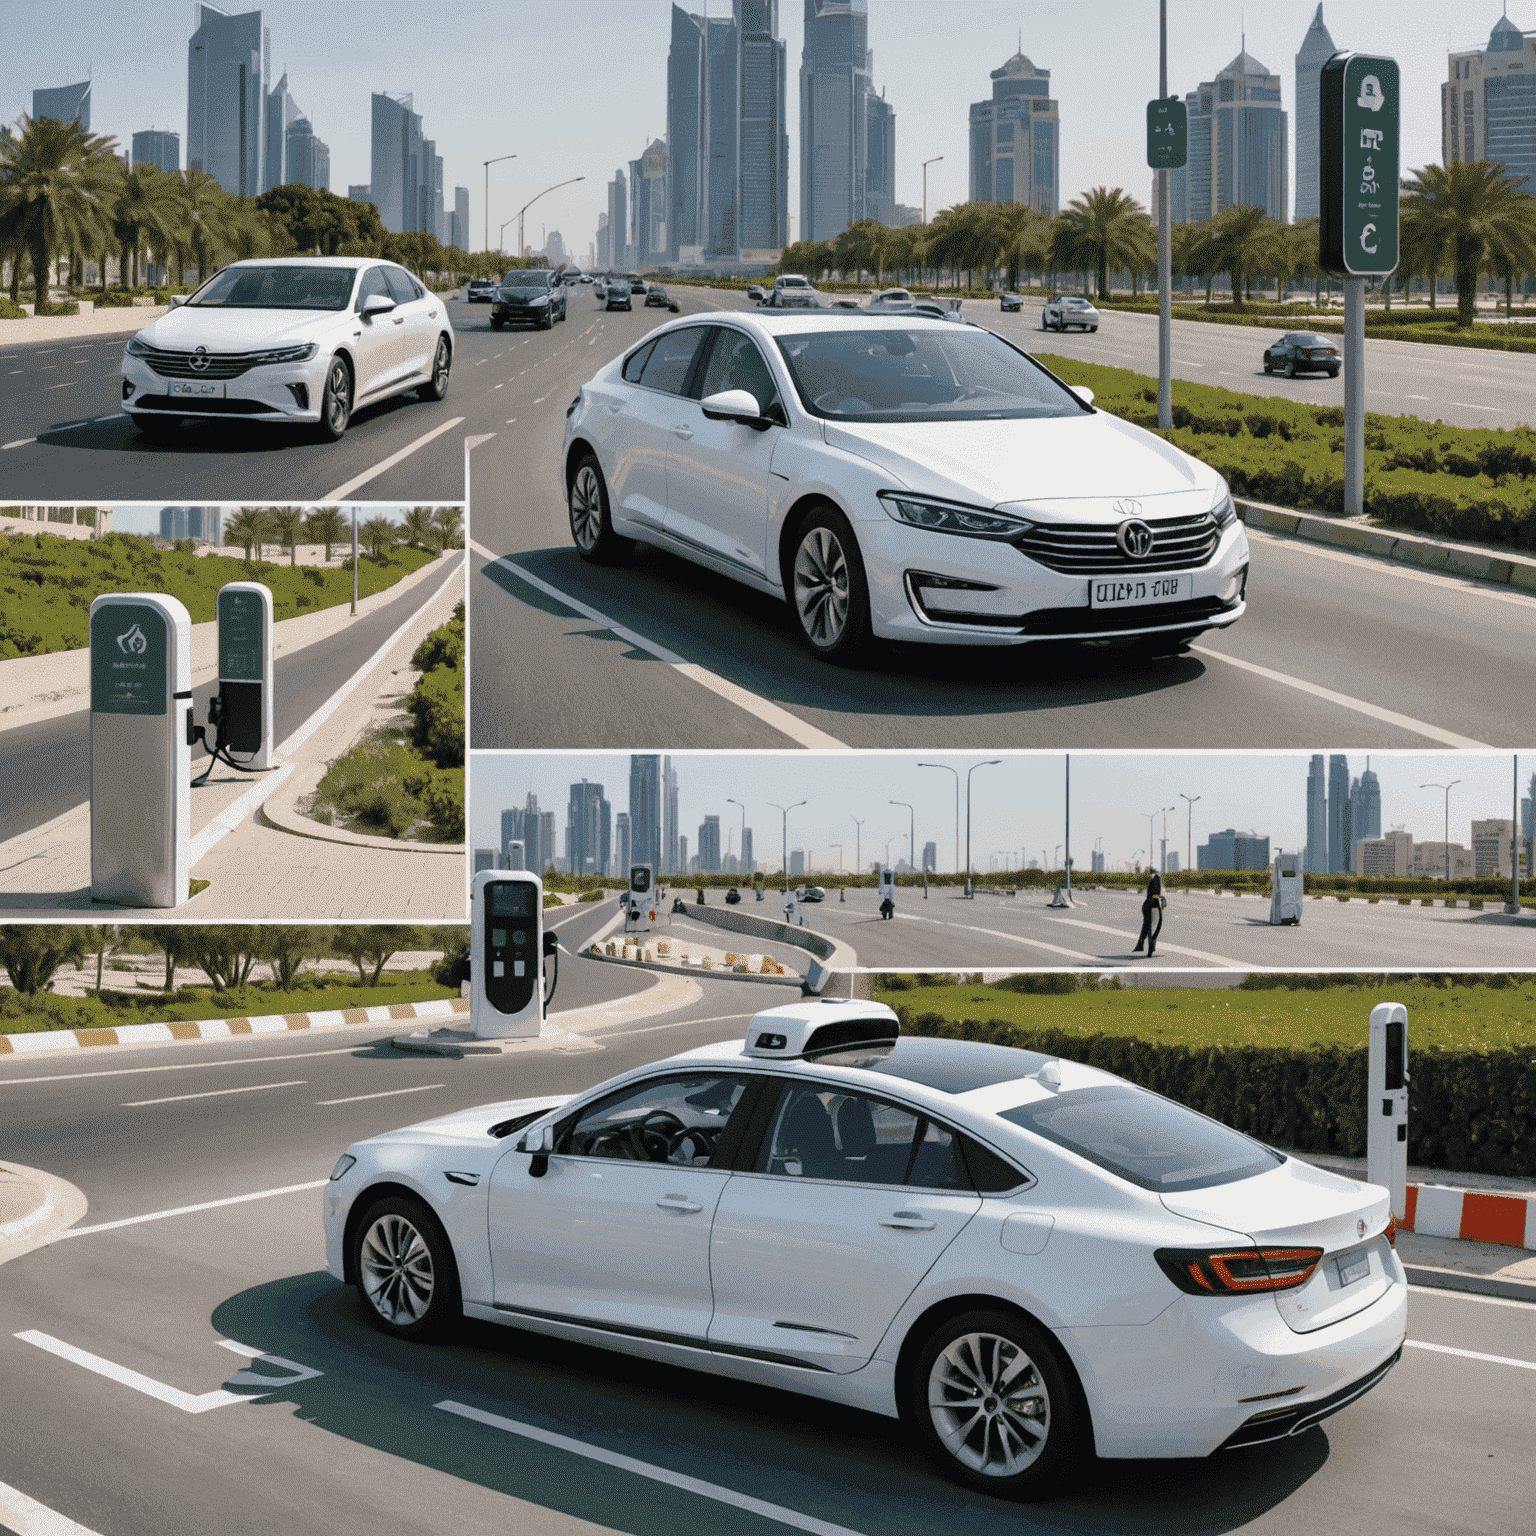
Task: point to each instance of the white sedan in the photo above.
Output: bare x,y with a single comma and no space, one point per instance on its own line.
1069,310
901,478
1022,1257
296,339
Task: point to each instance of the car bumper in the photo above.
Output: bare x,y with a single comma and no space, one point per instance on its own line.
1208,1376
1005,598
273,392
512,316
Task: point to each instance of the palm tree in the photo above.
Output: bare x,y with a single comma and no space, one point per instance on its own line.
1242,239
446,521
326,526
378,535
1298,251
1476,213
1105,228
247,527
416,525
143,211
204,221
285,525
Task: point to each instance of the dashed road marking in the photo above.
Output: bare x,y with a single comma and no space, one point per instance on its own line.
1472,1354
390,1093
214,1093
343,491
26,1517
190,1210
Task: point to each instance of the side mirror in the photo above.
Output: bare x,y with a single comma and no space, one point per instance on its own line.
177,300
1083,393
540,1143
376,304
736,405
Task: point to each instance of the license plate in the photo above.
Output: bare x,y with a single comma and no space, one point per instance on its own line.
197,389
1137,591
1355,1269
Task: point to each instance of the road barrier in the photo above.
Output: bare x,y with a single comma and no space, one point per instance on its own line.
1474,1216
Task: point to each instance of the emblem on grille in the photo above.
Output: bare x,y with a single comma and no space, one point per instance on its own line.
1134,537
199,359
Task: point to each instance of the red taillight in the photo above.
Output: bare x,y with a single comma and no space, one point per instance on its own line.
1237,1271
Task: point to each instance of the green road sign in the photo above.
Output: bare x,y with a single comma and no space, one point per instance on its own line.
1359,165
128,645
1167,134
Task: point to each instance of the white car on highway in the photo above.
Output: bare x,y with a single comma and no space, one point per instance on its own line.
902,478
1068,310
1022,1257
295,339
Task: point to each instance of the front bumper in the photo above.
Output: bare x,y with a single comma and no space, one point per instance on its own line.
512,313
1002,597
272,392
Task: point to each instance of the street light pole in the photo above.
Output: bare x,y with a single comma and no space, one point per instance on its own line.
488,165
1068,834
1189,830
858,852
926,164
786,809
911,834
956,772
990,763
731,800
1164,255
531,201
1447,788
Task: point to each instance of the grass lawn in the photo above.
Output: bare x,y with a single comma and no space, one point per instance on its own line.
1476,1017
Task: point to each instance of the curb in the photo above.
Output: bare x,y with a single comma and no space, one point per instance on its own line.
1362,538
788,979
1473,1216
279,814
1477,1285
36,1041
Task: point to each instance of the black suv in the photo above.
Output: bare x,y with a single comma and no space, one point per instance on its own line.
535,295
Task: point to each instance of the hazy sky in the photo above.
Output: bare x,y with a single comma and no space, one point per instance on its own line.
1016,805
146,519
578,87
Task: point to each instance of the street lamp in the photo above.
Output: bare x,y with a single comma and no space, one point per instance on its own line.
956,772
488,165
991,762
911,833
926,164
529,204
1447,788
731,800
858,855
786,809
1162,810
1189,830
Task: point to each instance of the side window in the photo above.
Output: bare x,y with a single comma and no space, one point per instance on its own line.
401,285
665,1120
990,1174
373,283
820,1134
936,1162
634,364
672,356
736,363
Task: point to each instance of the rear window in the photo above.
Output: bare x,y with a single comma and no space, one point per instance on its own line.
1144,1138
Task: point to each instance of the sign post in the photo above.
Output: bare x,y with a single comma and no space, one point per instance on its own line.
1167,150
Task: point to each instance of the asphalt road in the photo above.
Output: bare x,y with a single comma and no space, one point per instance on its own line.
46,765
348,1436
662,655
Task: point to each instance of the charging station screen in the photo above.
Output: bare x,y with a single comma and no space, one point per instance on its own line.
640,881
511,900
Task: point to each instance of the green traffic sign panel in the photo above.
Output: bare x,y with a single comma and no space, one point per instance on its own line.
1359,165
128,646
1167,134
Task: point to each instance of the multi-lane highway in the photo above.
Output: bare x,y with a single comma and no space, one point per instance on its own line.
195,1279
659,654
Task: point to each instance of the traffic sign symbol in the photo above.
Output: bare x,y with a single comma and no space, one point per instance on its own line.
1359,165
1167,134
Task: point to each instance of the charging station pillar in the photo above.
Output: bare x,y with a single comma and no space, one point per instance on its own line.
506,974
245,672
1285,890
141,759
1386,1137
640,907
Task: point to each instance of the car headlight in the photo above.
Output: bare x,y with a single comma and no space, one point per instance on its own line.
296,354
950,517
138,348
1224,512
344,1162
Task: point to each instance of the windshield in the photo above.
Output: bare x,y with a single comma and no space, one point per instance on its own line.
532,278
1145,1138
276,288
899,375
1307,339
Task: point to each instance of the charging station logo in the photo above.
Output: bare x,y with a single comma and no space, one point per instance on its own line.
133,642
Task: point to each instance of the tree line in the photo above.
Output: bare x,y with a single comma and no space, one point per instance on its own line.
434,528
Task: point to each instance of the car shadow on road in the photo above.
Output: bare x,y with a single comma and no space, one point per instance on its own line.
817,1458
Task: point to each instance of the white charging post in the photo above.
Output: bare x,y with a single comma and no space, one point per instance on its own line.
640,908
141,755
245,672
506,974
1386,1138
1285,890
887,884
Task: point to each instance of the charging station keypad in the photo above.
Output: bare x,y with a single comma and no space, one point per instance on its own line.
512,953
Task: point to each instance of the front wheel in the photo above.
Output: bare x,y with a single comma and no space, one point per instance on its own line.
405,1270
496,322
1290,369
591,523
992,1404
442,361
336,401
1333,373
827,588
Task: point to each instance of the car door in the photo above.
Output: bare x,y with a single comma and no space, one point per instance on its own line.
616,1233
378,340
720,480
850,1202
419,327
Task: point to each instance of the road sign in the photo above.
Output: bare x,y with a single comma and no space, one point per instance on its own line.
1167,134
1358,170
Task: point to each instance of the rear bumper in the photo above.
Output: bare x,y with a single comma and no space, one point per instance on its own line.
1280,1423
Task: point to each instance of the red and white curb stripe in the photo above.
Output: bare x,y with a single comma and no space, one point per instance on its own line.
1471,1215
222,1029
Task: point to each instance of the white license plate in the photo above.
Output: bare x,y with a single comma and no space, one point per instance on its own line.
1356,1269
197,389
1135,591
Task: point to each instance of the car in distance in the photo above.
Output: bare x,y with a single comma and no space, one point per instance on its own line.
1067,311
809,893
1010,303
288,340
656,297
733,897
1022,1258
898,478
636,282
616,294
796,298
1304,352
531,295
481,290
755,292
790,280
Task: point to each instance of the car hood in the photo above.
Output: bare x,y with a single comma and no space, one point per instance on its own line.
236,330
1086,460
469,1125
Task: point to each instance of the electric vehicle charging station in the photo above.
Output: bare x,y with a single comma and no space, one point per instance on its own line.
640,909
1285,890
516,856
141,749
506,971
242,717
1386,1139
887,883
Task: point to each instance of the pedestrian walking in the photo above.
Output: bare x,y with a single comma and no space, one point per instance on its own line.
1152,904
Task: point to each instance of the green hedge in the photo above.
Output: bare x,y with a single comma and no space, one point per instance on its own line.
1474,1111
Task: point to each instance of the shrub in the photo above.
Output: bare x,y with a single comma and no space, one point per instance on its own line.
10,311
436,708
63,307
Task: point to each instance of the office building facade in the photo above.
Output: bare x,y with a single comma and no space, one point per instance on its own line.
64,104
1315,858
309,157
618,222
1492,840
648,205
226,99
157,147
1231,849
1389,857
406,185
588,830
203,524
1340,820
645,809
282,113
1365,805
762,136
621,845
709,846
1016,140
1488,103
1316,49
748,858
836,75
931,857
1239,151
458,229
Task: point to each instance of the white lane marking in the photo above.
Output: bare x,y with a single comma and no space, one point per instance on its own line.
185,1066
1466,405
189,1210
1416,397
1471,1354
391,1093
1173,949
29,1518
215,1093
174,1396
233,814
511,420
777,1512
1482,1301
343,491
998,933
1372,711
799,731
21,442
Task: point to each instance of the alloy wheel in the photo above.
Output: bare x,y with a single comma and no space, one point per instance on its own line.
338,403
586,508
821,586
989,1404
397,1273
440,368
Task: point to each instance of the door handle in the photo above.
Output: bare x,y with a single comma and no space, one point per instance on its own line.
682,430
399,319
908,1221
679,1203
615,406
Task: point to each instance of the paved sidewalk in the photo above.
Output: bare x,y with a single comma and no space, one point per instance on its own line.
100,322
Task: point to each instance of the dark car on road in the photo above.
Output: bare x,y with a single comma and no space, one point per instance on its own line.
636,283
1304,352
482,290
1010,303
616,294
656,297
732,897
534,295
755,292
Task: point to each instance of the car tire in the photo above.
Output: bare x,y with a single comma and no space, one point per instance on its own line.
827,589
405,1270
1266,365
1093,327
496,322
158,429
586,500
336,400
1333,373
436,388
1015,1446
1290,369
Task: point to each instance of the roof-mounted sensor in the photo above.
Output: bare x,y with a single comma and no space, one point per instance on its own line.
817,1028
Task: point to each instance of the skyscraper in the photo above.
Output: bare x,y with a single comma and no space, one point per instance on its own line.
1015,140
1315,858
512,832
748,862
282,113
1340,844
157,147
709,846
762,139
931,857
1488,105
622,858
458,234
618,221
64,104
645,809
1365,805
648,204
1238,150
669,817
1316,49
406,186
879,160
588,830
308,159
226,99
835,76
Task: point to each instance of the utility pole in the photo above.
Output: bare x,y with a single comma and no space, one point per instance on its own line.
1189,832
1164,254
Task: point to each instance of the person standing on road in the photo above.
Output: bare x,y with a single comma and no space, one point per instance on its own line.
1151,905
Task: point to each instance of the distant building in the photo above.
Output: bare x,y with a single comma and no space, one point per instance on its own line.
1365,805
1171,864
1389,857
648,205
1232,849
359,192
1340,840
308,157
797,861
458,231
604,255
879,160
1315,858
709,846
588,830
157,147
1429,861
1099,865
1238,145
669,829
1491,840
931,856
485,858
682,856
282,113
226,102
406,186
748,861
1016,140
65,104
622,859
645,809
618,221
1316,49
554,249
1488,103
204,524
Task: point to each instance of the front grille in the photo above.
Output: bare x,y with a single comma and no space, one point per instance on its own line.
1066,622
1090,549
178,365
190,407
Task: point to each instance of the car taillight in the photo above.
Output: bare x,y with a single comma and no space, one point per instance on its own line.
1237,1271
